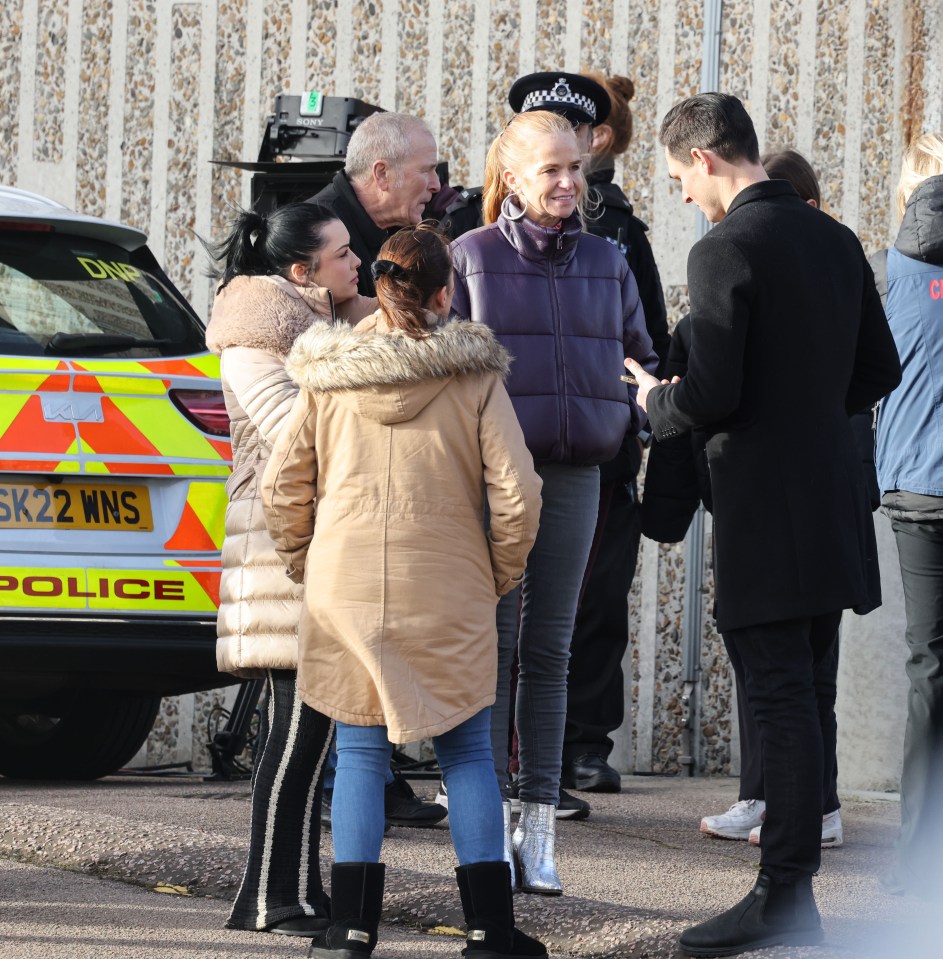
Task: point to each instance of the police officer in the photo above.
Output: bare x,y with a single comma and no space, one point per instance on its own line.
595,692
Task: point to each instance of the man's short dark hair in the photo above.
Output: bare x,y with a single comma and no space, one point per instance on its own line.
710,121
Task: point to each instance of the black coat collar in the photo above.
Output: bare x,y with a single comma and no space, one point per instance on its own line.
763,190
373,236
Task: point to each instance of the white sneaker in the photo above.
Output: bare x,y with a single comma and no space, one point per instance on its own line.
832,836
737,821
442,797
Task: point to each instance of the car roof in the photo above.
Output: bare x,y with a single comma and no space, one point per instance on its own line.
21,206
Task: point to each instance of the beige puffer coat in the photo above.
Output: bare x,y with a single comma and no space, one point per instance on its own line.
255,321
395,444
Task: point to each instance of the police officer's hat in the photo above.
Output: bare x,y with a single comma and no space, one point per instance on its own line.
577,98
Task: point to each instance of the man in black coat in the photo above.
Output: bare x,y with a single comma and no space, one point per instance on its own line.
388,178
788,339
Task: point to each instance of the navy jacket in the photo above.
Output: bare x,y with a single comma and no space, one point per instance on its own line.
566,305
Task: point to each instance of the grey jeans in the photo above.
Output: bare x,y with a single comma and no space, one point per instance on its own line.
547,601
920,844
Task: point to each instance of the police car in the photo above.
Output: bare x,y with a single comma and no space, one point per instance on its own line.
114,454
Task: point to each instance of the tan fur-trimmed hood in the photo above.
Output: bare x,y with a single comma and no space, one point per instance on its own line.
269,313
328,358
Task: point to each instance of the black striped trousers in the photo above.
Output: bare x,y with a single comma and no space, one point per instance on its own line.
283,876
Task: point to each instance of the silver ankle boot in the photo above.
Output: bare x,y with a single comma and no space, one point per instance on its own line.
533,843
509,856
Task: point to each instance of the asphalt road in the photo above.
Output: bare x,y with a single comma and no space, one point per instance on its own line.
78,863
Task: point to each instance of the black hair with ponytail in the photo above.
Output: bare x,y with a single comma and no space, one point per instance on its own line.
267,244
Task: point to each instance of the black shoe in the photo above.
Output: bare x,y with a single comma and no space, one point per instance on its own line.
591,773
771,914
300,926
356,903
571,807
327,796
404,808
511,792
485,890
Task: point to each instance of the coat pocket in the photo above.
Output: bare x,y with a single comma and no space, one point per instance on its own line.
239,479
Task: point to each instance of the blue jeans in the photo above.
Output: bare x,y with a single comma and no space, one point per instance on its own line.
330,768
464,755
550,593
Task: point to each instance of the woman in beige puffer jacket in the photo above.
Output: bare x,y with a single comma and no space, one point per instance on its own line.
399,443
283,272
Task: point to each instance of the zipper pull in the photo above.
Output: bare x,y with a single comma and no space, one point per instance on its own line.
560,242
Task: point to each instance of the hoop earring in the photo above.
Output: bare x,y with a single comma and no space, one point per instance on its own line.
594,206
511,216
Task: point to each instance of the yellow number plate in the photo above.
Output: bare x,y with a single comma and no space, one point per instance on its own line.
108,506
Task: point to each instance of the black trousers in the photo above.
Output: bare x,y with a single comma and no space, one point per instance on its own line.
920,844
782,668
283,873
595,689
752,785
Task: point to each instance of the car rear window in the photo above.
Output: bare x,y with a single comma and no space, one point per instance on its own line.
73,296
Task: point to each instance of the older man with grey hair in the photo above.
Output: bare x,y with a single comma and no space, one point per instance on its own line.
388,178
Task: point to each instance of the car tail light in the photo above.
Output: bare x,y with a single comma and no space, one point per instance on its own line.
205,408
27,226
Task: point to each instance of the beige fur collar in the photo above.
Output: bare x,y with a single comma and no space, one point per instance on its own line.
269,313
330,358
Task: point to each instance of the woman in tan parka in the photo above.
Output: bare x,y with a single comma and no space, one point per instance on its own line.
283,272
401,439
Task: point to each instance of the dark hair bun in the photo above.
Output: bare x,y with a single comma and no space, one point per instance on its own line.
623,86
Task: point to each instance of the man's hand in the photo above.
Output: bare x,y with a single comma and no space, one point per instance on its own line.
646,382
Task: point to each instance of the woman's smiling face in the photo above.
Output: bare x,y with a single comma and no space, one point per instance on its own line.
549,178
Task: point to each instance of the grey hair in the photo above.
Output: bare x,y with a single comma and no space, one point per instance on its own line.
382,136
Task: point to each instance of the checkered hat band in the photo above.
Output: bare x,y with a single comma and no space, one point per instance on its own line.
549,96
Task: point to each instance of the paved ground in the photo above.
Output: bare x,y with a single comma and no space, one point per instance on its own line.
635,874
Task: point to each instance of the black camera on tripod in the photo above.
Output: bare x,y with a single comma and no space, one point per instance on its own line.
312,126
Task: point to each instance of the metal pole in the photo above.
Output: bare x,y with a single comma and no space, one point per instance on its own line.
692,623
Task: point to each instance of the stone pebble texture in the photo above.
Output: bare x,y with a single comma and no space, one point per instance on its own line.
849,81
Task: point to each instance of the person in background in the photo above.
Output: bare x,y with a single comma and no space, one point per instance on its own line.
910,474
566,305
775,288
389,177
386,529
595,688
280,273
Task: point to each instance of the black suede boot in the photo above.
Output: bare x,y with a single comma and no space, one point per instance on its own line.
356,902
485,888
771,914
